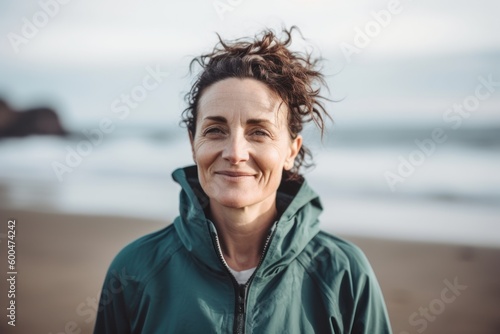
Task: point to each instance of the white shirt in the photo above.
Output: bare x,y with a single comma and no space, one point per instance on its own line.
242,276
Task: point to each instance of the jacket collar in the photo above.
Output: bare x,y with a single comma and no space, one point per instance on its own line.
298,206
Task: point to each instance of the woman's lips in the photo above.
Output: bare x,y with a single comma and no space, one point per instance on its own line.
234,176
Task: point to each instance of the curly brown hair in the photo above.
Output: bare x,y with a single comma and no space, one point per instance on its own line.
292,75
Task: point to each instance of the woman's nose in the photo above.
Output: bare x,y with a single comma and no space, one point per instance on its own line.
236,149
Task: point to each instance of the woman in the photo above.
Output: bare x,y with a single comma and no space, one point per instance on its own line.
245,254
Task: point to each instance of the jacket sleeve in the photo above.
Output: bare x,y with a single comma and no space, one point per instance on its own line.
370,312
114,304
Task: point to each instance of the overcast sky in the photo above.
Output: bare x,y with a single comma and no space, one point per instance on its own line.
92,30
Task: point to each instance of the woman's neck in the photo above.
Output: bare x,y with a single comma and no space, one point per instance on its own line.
242,231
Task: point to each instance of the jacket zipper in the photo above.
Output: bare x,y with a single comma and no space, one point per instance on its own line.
241,289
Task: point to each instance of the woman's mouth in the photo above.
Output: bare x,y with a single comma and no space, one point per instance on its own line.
234,176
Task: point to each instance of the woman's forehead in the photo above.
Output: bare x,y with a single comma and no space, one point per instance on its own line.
247,98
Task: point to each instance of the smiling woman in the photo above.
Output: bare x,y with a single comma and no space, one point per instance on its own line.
241,146
246,254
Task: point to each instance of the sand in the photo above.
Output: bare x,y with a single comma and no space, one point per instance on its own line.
62,260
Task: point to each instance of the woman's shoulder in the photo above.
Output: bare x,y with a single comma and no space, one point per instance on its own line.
341,272
336,254
141,257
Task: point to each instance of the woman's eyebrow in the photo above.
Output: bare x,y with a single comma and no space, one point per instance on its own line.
219,119
259,121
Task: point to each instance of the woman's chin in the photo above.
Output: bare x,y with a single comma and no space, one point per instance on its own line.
234,203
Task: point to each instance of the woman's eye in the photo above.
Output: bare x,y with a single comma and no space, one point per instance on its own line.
260,133
213,131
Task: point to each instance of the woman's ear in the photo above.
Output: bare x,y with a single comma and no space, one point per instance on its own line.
295,146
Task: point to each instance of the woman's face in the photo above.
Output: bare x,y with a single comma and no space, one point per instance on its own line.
242,143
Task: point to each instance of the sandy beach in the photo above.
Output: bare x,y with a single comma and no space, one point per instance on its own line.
61,261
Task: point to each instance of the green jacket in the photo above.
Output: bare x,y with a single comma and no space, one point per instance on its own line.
174,280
